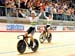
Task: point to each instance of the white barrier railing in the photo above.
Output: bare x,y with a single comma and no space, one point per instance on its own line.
8,27
14,12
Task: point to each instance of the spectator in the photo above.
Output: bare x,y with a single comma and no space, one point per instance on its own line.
60,13
48,8
37,4
21,13
42,6
29,6
65,6
72,14
2,9
17,3
68,13
54,11
2,2
10,5
23,4
58,7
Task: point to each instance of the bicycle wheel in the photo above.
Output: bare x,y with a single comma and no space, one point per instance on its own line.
36,45
49,38
21,46
42,38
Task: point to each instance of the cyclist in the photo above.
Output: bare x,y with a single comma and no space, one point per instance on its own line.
49,18
47,28
31,29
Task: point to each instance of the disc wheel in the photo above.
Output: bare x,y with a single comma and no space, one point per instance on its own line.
42,38
21,46
49,38
36,45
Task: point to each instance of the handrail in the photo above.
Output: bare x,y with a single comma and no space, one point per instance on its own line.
13,12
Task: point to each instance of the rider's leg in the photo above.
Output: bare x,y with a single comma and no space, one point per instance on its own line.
32,39
26,35
48,31
45,34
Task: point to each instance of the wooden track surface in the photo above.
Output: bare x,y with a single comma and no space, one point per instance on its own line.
63,44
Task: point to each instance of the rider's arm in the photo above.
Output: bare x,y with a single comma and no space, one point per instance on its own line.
39,15
45,15
52,15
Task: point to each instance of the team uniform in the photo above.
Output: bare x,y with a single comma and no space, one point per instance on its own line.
47,27
32,29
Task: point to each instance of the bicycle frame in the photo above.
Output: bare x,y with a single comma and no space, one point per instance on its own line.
45,33
23,38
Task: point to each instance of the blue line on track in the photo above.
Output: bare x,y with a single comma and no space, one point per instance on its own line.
57,46
7,52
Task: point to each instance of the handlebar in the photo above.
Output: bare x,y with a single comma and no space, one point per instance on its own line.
19,36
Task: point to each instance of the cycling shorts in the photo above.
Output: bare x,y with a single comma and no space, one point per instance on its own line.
31,30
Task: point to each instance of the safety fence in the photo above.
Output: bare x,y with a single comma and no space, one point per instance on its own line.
11,21
8,27
14,12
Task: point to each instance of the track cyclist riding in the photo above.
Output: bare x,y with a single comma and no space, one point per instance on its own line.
31,29
29,34
46,34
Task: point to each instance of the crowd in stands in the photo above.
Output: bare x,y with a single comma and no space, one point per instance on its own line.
57,9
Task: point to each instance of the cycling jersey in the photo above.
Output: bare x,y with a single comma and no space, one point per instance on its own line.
33,22
47,26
